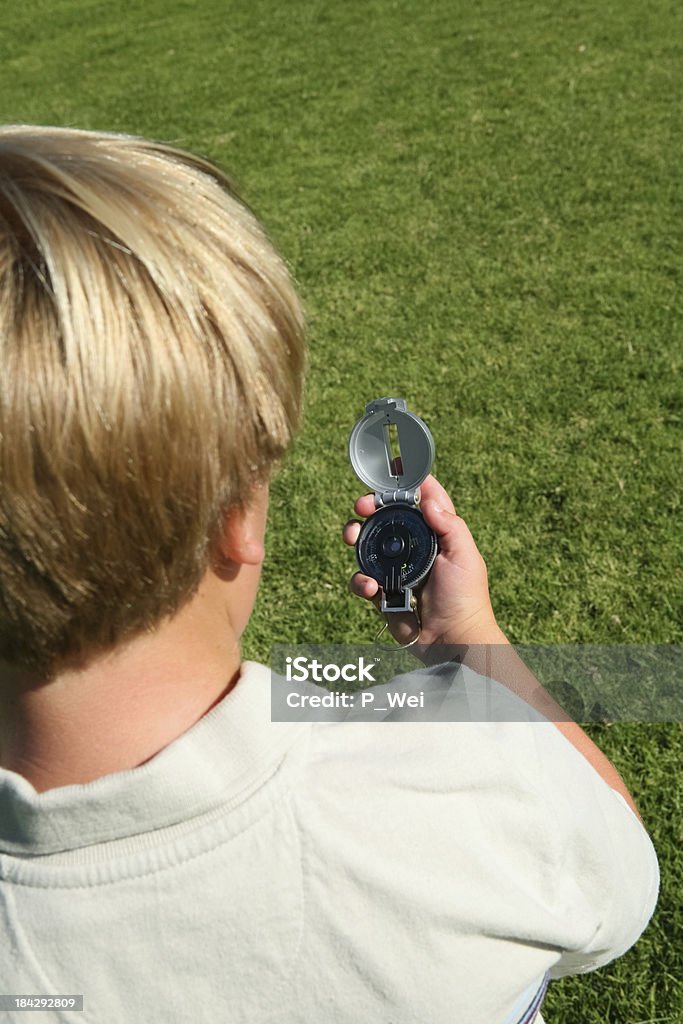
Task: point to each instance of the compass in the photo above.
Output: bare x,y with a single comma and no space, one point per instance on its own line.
391,451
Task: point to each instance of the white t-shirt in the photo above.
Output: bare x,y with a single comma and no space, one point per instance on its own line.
257,871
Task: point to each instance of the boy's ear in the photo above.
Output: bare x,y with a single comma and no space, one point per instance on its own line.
243,539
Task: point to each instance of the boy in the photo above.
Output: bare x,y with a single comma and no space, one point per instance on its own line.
165,850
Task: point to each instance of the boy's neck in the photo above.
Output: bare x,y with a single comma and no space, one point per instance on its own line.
125,708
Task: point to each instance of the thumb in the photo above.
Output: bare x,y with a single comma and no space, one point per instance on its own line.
452,531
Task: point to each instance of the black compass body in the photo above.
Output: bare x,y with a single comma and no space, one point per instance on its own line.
396,547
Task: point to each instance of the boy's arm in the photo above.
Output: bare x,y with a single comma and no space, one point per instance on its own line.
503,664
456,611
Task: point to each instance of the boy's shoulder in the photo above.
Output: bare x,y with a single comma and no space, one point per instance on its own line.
443,729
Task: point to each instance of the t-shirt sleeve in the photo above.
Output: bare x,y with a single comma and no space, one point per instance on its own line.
605,868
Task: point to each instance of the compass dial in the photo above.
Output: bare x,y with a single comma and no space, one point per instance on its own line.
396,547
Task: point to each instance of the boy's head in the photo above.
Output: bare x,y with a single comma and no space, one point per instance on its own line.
151,364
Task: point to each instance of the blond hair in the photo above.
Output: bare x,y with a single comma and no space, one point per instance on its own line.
151,364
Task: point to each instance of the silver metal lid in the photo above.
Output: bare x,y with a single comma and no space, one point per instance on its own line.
391,449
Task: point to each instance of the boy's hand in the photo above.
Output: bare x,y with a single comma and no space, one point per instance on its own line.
454,603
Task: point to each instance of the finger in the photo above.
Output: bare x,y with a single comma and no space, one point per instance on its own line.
439,512
364,586
365,506
351,531
453,532
431,490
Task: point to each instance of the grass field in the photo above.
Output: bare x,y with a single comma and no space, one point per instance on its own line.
481,204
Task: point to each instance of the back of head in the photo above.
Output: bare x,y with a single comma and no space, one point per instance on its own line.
151,362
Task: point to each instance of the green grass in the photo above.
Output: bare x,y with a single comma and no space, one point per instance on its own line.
481,205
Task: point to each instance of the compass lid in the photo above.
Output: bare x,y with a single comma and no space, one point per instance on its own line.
390,448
